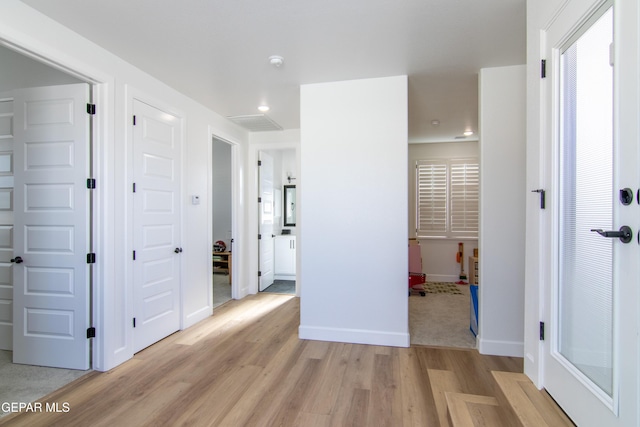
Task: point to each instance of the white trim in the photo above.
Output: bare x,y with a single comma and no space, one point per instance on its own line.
501,348
355,336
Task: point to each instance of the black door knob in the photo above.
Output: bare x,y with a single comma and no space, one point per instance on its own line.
177,250
17,260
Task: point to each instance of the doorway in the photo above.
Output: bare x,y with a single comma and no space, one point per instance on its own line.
277,239
442,317
222,221
45,226
589,354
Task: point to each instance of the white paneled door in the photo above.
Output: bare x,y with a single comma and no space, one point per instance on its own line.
6,221
51,239
157,141
591,350
266,218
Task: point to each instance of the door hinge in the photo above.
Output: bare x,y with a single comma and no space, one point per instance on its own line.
259,162
134,120
134,255
541,331
543,194
91,332
259,199
259,236
133,187
134,322
91,183
91,109
543,68
91,258
259,273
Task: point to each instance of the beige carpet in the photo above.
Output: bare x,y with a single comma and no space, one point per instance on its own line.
25,383
441,319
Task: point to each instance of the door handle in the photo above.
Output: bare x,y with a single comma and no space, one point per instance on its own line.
177,250
624,234
17,260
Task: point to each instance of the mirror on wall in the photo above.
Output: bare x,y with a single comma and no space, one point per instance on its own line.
289,205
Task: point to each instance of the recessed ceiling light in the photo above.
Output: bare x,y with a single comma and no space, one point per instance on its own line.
435,122
276,60
263,108
468,133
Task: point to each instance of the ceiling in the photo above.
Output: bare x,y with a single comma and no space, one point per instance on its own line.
217,51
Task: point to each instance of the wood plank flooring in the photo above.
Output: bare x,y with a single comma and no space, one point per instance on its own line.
245,366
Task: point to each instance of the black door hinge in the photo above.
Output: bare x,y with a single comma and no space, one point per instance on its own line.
543,69
91,109
259,199
91,332
542,197
134,322
134,255
259,273
91,183
91,258
541,331
259,236
134,120
259,162
133,187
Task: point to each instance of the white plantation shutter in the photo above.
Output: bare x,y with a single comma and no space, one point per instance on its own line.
431,199
447,198
463,197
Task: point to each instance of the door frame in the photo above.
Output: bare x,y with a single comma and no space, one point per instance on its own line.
237,189
100,89
131,94
253,192
539,266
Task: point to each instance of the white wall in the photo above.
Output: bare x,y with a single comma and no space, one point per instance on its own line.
439,255
117,83
17,71
503,196
353,211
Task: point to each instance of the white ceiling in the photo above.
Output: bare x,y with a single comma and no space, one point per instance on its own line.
216,51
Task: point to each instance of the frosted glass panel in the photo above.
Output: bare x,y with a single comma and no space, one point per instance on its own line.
585,291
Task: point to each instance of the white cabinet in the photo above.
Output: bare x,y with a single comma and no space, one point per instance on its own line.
285,263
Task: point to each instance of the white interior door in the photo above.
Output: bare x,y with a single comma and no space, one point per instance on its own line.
266,218
157,138
51,239
6,221
590,359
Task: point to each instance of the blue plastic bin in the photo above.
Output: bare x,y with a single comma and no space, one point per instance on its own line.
473,322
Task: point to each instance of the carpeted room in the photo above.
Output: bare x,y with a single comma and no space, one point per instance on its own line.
441,318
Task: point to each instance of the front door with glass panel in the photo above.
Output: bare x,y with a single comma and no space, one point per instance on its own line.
585,353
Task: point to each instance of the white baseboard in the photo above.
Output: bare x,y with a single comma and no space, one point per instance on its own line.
197,316
501,348
354,336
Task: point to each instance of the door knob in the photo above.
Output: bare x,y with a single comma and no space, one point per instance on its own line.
17,260
177,250
624,234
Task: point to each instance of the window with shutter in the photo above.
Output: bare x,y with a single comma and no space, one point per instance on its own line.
447,198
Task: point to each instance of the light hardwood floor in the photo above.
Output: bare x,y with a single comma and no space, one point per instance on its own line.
245,366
